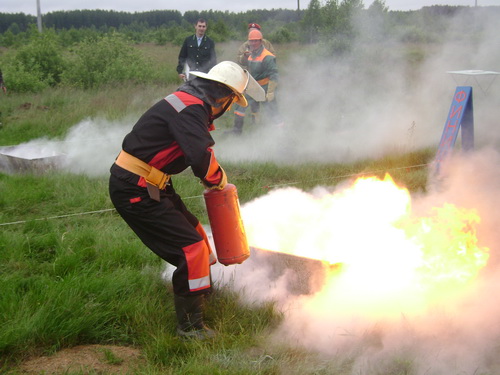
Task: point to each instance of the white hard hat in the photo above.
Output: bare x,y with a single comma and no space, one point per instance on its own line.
237,79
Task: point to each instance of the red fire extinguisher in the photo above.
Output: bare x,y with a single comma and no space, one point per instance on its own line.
223,208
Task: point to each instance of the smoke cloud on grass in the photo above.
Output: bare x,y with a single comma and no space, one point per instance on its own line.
89,148
384,97
456,334
364,106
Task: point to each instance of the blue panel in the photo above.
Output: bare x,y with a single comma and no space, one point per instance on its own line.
461,114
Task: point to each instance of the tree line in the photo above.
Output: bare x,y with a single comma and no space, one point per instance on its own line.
105,19
320,19
90,48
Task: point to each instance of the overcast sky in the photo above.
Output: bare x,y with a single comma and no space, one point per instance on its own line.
29,6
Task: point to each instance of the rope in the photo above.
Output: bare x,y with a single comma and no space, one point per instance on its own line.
200,196
350,175
58,216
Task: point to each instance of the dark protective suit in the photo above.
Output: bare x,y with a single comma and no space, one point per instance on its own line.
172,136
202,58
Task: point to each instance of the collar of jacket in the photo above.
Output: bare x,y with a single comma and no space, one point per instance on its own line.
258,51
206,90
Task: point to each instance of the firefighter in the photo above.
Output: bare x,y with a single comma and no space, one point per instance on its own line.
244,50
263,68
168,138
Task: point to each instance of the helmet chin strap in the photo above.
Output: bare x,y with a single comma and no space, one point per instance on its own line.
217,112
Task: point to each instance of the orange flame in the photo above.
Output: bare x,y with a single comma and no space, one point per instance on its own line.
390,259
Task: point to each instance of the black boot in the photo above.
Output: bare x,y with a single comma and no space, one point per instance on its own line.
255,118
189,310
238,126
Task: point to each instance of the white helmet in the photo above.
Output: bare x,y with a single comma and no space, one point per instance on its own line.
237,79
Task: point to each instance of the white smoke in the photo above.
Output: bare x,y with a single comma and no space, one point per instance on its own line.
366,106
384,97
90,148
456,337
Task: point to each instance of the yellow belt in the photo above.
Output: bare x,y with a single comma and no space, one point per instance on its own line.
153,176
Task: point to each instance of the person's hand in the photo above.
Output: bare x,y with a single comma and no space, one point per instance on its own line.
271,89
222,183
182,76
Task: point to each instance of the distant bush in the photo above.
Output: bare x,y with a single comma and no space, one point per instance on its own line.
335,46
160,36
414,34
42,57
107,60
19,79
35,65
282,35
219,32
179,38
8,39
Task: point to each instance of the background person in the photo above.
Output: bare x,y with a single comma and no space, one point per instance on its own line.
167,139
263,68
2,85
197,52
244,50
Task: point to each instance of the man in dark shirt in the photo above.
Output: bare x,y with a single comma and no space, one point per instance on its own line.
197,52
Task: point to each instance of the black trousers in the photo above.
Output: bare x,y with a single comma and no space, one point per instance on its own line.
169,230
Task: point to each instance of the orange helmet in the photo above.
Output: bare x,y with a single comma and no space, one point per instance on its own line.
255,35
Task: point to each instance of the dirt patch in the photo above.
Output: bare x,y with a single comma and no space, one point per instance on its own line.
95,359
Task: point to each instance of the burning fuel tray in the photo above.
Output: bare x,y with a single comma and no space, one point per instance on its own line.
306,275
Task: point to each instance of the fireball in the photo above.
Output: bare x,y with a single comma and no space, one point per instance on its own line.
390,260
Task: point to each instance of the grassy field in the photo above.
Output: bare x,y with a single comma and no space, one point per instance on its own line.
73,275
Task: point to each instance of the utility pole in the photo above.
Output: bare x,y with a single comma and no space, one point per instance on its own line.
39,16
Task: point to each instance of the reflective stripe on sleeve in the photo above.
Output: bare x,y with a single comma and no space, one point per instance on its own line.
175,102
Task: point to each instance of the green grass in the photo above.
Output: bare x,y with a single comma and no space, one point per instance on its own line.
86,279
71,277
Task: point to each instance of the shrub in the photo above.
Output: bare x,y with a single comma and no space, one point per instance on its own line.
8,39
282,35
20,79
42,57
219,31
107,60
414,34
335,46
